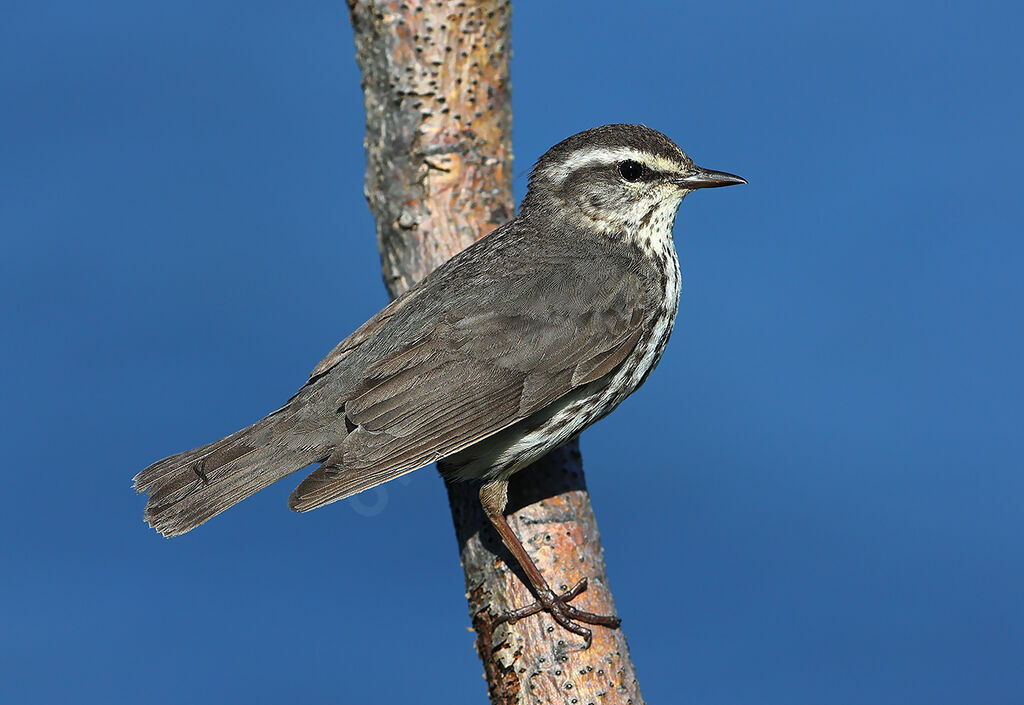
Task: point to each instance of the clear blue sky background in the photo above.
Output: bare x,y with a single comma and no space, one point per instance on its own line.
822,481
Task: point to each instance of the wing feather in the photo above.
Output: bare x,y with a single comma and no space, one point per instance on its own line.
434,379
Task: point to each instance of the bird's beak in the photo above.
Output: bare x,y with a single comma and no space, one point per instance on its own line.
707,178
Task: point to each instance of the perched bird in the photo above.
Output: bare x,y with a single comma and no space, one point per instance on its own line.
509,349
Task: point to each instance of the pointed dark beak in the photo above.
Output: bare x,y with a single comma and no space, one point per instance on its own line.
707,178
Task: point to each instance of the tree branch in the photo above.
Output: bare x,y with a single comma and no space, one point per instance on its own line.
438,128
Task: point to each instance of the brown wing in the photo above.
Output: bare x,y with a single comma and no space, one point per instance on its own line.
488,358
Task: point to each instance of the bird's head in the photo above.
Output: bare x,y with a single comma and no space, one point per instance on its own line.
622,180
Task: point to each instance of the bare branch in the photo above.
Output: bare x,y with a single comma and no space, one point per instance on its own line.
438,128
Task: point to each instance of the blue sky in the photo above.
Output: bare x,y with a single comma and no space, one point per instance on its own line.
823,477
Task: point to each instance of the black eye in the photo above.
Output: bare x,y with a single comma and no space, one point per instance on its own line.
631,170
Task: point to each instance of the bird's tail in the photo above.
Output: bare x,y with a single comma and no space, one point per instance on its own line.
188,488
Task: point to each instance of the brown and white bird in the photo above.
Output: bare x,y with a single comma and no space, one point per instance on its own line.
509,349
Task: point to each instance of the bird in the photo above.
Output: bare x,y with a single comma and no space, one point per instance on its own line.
509,349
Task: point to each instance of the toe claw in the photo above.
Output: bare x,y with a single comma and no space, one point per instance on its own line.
565,614
577,589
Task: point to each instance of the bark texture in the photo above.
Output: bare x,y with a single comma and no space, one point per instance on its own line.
439,176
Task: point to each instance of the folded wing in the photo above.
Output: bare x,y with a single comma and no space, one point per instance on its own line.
445,376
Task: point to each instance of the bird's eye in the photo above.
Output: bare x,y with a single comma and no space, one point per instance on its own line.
631,170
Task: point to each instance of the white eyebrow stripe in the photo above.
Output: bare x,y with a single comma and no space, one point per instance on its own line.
590,156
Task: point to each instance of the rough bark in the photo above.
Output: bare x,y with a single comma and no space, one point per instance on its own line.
439,168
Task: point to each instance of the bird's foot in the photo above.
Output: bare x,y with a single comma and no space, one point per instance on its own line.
565,614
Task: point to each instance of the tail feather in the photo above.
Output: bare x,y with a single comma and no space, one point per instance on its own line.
189,488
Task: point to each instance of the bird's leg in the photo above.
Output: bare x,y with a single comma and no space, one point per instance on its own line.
494,497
